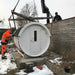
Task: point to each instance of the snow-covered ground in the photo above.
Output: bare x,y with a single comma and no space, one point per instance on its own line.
44,71
56,60
6,64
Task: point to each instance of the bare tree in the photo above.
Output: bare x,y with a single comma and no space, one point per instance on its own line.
28,10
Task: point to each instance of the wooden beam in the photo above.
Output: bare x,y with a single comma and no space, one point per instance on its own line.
27,18
30,17
24,17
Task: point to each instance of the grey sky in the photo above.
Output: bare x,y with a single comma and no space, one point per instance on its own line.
66,8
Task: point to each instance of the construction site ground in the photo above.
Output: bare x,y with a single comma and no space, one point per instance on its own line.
44,59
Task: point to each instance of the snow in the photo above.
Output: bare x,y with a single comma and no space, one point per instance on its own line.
6,64
56,60
21,72
44,71
73,74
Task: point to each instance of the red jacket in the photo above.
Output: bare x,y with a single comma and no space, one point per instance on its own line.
6,35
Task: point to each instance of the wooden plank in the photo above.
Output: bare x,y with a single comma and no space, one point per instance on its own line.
20,53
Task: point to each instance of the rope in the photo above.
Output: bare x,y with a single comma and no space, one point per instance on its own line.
16,5
13,15
9,24
14,10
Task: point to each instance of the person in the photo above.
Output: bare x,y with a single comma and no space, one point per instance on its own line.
57,17
4,42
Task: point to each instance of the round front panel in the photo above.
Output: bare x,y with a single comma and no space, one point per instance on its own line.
34,39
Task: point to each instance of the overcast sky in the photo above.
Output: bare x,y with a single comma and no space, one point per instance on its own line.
65,8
